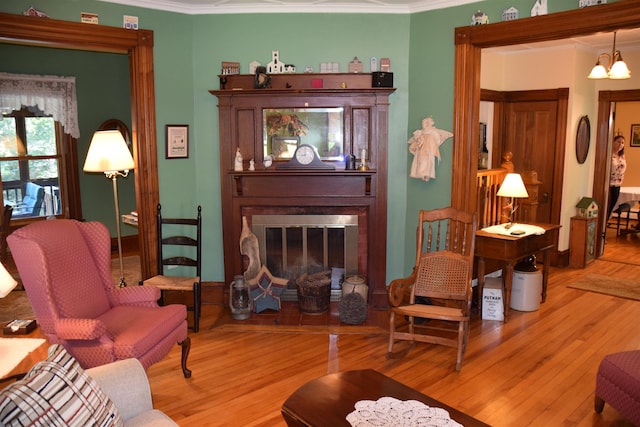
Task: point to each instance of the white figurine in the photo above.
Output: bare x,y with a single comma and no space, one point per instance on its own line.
425,146
268,160
237,165
252,165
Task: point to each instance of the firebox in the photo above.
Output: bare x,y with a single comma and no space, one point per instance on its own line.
291,245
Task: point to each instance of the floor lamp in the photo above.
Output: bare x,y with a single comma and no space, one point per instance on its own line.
108,153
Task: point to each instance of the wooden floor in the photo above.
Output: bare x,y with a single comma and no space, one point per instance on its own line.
538,369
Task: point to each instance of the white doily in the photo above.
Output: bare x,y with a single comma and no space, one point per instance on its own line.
391,412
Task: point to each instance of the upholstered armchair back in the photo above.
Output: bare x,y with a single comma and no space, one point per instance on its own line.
49,274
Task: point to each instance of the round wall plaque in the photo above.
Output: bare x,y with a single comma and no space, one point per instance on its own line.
583,135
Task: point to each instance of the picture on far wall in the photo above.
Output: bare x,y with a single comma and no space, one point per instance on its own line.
177,142
634,140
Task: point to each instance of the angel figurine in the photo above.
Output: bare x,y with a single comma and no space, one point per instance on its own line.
425,147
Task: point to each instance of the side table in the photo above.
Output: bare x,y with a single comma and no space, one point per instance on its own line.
40,353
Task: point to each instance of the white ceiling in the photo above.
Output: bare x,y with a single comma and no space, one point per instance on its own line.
198,7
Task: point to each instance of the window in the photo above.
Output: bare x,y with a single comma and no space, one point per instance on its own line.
31,164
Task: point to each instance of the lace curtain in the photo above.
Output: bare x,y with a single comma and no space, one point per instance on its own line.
53,95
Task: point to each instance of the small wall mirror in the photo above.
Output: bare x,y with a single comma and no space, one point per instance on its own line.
286,128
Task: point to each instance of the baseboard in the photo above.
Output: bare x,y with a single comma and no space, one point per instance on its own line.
130,244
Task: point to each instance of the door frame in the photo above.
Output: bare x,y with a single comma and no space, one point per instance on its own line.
469,42
603,150
138,45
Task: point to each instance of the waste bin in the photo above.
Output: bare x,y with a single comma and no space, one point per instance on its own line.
526,287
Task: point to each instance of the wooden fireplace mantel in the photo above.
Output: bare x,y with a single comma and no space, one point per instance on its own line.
363,192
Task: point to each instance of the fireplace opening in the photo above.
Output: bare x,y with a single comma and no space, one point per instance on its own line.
291,245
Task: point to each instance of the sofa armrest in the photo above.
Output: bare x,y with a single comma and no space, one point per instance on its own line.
126,384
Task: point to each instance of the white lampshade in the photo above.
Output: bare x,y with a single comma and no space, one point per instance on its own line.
108,152
7,282
619,71
598,72
512,186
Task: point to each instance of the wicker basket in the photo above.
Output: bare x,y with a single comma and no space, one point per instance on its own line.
314,297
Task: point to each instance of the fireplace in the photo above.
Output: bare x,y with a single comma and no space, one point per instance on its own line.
291,245
307,197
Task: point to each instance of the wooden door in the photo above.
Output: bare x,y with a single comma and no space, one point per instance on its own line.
534,125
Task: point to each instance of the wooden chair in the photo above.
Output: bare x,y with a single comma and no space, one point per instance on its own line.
4,231
170,237
441,277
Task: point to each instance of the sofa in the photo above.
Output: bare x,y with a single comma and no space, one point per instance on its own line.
58,392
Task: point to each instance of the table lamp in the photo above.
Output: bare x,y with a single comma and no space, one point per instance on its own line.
108,153
512,187
7,282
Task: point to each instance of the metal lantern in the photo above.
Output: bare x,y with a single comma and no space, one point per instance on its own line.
239,299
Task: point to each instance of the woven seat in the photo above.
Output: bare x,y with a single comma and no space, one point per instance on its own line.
442,274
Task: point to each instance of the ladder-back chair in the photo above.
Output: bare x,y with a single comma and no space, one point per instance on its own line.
175,233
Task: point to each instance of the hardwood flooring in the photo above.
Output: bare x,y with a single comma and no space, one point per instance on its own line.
538,369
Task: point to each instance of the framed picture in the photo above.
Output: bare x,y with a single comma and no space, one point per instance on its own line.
635,136
177,142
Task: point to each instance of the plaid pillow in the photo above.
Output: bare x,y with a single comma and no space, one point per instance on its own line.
57,392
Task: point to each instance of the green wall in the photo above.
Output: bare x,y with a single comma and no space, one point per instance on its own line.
188,51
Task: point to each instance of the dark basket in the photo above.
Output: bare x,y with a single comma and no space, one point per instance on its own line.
314,298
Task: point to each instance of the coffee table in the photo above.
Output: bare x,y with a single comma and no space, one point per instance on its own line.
326,401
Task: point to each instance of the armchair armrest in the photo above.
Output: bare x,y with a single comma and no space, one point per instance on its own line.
145,296
399,290
80,329
126,384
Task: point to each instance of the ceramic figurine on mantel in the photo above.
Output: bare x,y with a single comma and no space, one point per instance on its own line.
237,164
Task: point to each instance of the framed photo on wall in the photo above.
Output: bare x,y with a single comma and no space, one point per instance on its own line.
177,142
634,140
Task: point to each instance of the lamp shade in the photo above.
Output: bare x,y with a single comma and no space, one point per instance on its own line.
598,72
7,282
108,152
512,186
619,71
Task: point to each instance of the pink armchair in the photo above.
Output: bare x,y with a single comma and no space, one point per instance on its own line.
65,267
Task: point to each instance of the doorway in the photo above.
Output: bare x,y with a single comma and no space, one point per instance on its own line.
626,246
531,125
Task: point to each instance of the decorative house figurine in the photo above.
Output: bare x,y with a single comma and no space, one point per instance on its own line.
539,8
587,207
253,66
587,3
289,68
275,66
479,18
510,14
385,65
355,66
